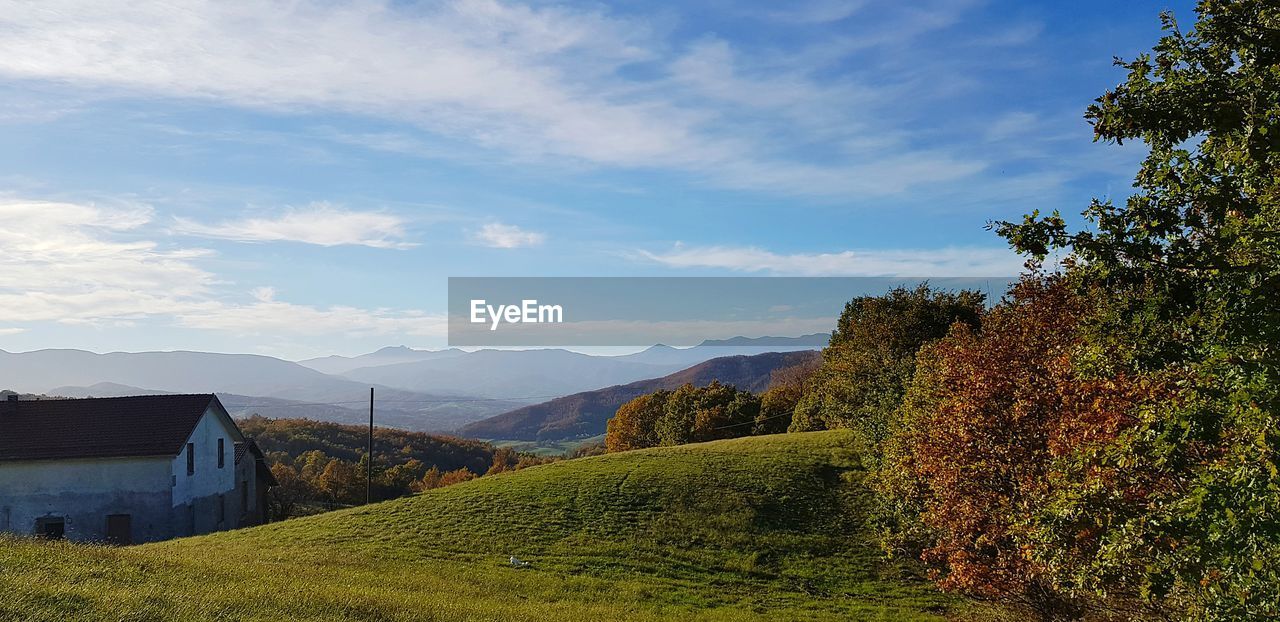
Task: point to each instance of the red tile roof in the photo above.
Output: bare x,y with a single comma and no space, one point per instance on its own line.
108,427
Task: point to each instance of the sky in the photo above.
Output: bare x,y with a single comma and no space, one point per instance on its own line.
300,178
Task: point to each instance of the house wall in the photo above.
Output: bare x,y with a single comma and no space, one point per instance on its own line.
84,492
248,511
196,496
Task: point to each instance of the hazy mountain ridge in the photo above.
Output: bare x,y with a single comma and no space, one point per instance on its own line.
265,382
390,355
420,390
512,374
587,413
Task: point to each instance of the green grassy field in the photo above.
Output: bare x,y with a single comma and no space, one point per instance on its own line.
746,529
547,448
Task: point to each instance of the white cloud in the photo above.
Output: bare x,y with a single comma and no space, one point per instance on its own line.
318,223
498,235
267,316
530,81
88,264
946,262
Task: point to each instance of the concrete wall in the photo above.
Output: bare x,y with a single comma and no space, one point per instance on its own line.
197,497
84,492
247,502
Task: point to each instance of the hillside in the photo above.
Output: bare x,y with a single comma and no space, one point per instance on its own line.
587,413
294,437
762,528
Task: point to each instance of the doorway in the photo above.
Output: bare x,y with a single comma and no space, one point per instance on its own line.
119,529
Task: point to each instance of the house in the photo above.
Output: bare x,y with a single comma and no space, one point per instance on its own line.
127,469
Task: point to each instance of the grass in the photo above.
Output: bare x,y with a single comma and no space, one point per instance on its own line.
548,448
747,529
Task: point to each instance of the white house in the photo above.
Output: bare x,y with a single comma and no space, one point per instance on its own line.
127,469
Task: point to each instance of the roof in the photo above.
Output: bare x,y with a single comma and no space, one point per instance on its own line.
249,446
108,427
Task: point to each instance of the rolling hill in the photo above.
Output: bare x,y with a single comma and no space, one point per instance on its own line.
761,528
586,414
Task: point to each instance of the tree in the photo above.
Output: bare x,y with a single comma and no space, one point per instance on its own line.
342,482
633,426
290,491
871,357
456,477
972,457
504,459
778,402
1186,276
428,481
687,415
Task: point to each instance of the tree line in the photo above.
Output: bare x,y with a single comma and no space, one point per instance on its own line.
321,466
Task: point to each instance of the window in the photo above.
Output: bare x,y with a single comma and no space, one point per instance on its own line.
244,497
222,508
191,458
51,527
222,453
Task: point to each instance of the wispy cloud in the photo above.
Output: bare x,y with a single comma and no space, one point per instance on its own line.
525,80
946,262
498,235
93,264
318,223
811,11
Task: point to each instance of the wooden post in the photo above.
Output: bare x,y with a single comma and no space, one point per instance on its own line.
368,481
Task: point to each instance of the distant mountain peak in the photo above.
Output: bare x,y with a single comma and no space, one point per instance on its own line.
395,350
815,339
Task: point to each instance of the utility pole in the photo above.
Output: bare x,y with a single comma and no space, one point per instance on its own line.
368,480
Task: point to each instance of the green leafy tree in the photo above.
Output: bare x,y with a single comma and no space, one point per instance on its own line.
1186,277
687,415
871,357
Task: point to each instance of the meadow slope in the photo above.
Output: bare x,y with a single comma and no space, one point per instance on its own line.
744,529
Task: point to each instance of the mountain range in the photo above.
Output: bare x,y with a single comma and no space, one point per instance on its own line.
420,390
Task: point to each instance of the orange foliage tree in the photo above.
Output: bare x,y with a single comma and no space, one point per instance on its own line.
984,422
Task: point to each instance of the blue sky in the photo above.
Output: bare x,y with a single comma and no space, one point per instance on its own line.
300,178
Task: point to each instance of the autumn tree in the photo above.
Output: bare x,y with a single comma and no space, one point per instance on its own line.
1186,272
342,482
687,415
871,357
778,402
973,456
634,424
290,492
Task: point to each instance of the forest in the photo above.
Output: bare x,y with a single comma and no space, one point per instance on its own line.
322,466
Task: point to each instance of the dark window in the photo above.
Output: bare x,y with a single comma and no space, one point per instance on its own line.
244,497
51,527
119,529
222,454
222,508
191,458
